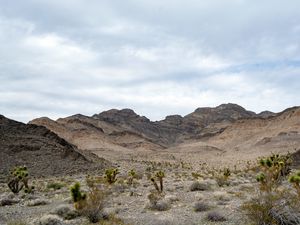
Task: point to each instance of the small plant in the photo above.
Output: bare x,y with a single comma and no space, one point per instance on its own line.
222,178
159,175
201,207
93,205
131,176
157,202
227,173
215,216
20,178
295,180
196,176
17,222
78,197
111,175
55,186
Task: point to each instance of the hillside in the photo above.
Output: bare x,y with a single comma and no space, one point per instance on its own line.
42,151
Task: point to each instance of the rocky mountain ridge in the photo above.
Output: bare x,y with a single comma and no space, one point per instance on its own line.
123,129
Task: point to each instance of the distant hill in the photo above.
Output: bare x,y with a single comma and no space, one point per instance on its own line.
229,130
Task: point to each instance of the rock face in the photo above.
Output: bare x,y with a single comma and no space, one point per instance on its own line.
42,151
175,129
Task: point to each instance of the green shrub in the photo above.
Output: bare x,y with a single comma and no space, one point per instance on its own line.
55,186
295,180
131,176
111,175
271,203
77,196
19,179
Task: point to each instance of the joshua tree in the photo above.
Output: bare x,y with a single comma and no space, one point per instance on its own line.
111,175
20,177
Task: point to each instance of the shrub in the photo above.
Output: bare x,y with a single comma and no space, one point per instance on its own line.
199,186
66,212
271,204
55,186
196,176
19,179
78,197
159,175
111,175
222,177
112,220
215,216
16,222
201,207
89,205
131,176
273,170
157,201
295,180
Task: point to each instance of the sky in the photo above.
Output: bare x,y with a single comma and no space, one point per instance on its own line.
63,57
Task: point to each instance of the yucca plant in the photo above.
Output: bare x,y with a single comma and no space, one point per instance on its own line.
111,175
19,179
78,197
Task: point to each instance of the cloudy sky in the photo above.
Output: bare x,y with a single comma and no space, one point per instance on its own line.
62,57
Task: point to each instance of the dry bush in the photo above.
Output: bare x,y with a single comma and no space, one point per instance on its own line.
17,222
92,208
215,216
55,185
201,207
112,220
200,186
157,202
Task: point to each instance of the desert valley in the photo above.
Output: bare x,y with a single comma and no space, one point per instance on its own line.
202,168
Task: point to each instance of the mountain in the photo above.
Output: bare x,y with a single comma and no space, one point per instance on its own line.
222,132
253,137
41,150
125,131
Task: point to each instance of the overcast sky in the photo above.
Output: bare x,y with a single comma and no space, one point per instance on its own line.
62,57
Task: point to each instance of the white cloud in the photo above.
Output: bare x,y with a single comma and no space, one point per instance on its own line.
157,57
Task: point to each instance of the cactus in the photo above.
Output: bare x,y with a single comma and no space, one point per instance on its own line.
77,196
111,175
20,177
